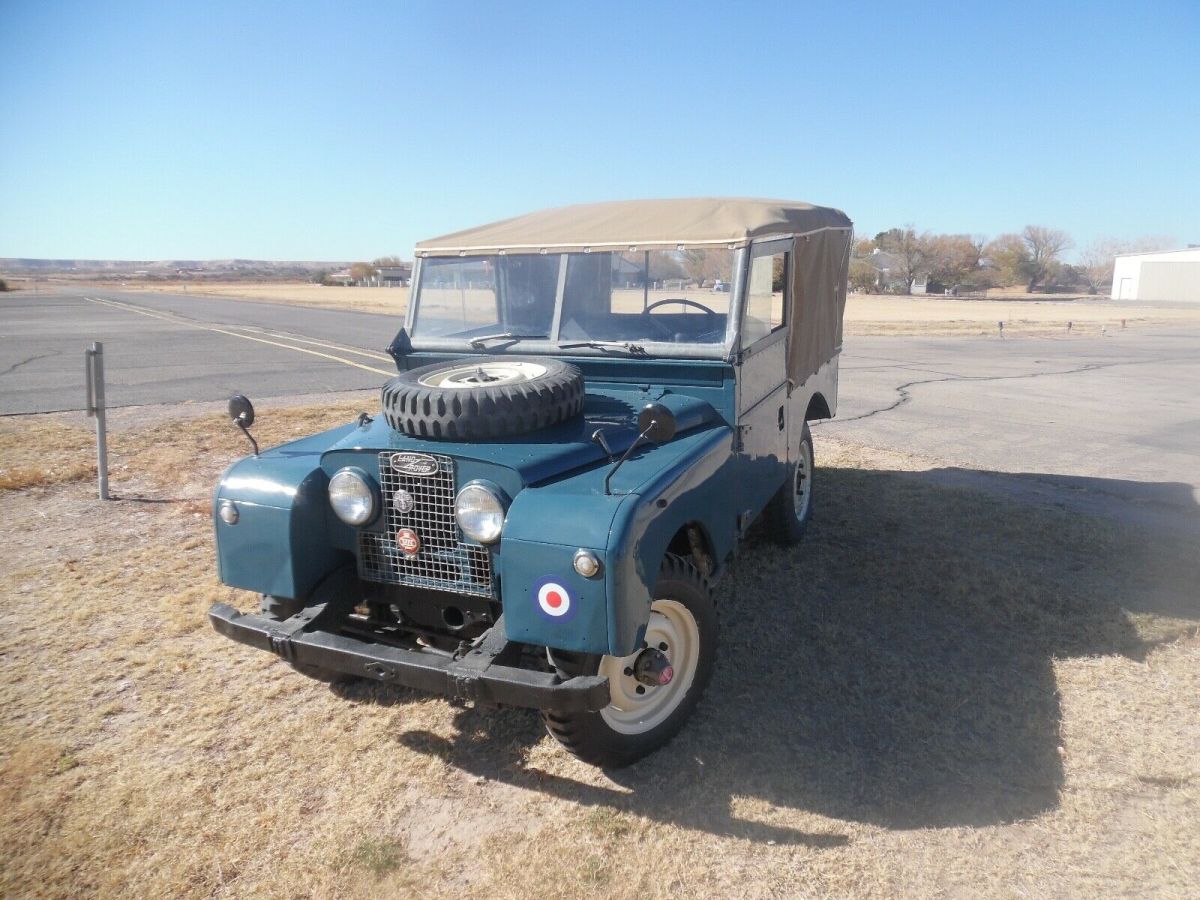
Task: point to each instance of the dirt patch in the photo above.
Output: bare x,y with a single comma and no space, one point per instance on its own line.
940,693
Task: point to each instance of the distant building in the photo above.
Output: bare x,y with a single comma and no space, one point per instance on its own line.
891,272
1168,275
395,276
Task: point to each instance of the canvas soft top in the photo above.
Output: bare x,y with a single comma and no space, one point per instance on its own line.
643,224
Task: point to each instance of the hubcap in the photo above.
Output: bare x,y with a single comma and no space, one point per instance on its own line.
637,707
494,373
802,482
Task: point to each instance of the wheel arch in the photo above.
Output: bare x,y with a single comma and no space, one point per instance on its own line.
818,408
693,541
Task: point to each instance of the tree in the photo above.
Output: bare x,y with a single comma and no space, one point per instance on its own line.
864,247
863,276
910,249
1097,259
663,266
1043,248
705,265
387,261
1006,256
1096,263
361,271
952,258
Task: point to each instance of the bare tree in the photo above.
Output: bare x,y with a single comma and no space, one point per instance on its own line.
361,271
952,258
1098,258
910,249
705,265
863,276
1006,254
1043,248
1096,263
864,247
386,261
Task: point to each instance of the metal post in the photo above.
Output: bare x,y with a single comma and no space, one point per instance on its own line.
94,369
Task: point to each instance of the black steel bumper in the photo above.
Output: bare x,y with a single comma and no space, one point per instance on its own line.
478,675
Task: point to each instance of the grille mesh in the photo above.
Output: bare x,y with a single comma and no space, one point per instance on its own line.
444,562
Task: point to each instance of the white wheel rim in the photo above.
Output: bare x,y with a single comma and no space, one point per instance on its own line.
802,482
493,373
673,625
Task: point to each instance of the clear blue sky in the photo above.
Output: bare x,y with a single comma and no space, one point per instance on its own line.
351,130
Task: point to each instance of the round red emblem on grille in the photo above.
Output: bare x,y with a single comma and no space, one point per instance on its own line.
407,540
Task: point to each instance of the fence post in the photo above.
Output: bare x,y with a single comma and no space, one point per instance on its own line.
94,369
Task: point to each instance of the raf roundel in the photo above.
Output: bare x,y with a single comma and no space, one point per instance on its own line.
553,598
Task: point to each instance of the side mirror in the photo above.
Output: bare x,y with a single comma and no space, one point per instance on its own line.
657,423
241,410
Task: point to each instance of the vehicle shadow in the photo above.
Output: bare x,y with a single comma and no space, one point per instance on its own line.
896,669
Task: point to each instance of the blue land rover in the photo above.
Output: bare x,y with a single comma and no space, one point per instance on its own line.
592,405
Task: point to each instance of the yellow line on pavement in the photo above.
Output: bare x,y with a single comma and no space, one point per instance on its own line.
166,317
326,344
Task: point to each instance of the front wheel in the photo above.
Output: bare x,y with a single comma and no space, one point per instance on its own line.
654,690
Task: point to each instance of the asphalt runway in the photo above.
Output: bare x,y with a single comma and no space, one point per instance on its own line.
168,348
1108,422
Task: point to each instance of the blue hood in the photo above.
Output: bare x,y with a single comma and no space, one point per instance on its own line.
550,452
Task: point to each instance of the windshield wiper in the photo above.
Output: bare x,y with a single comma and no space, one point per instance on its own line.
480,342
628,346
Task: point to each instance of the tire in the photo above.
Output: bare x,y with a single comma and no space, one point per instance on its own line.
615,737
281,608
790,510
456,401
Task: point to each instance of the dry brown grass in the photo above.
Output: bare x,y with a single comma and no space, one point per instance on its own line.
389,301
866,314
940,693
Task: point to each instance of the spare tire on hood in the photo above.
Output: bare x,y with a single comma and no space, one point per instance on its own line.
484,397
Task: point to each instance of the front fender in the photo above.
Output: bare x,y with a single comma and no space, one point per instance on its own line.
280,544
685,481
695,487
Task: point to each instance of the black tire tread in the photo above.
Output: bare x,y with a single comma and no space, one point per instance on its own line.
780,517
582,734
483,413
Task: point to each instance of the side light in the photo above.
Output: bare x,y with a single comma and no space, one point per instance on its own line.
587,563
228,512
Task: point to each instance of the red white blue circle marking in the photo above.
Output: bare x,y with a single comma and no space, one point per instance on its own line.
553,598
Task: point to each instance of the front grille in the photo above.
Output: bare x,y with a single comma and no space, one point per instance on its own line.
444,562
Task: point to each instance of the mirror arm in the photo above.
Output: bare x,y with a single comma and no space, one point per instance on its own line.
246,431
624,456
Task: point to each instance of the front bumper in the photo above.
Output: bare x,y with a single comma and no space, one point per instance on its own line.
479,675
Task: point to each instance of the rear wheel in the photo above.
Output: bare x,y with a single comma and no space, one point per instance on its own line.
281,608
654,690
790,510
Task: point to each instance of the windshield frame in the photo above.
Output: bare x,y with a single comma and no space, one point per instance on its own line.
641,349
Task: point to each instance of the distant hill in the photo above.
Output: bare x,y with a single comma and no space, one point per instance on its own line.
168,268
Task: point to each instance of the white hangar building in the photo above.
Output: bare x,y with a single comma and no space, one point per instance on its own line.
1169,275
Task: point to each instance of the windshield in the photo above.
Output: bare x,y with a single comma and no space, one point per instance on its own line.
673,296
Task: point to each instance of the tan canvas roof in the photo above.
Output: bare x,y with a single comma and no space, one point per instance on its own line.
640,223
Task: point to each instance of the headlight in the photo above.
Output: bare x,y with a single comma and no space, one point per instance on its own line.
480,513
352,497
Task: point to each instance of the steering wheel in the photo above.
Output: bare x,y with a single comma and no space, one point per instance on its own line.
682,301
